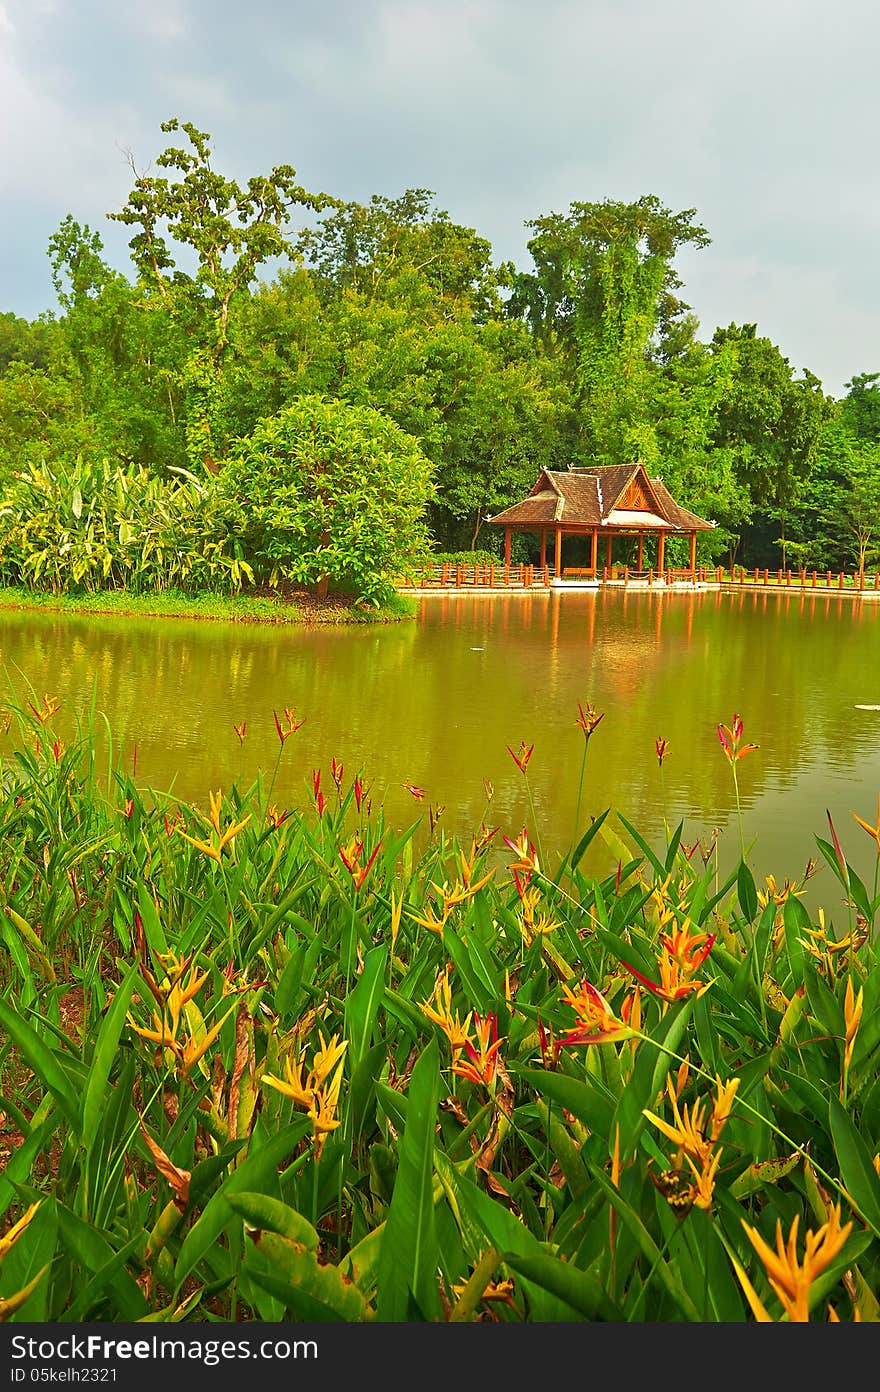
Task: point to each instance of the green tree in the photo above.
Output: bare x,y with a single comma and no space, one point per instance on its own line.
604,294
770,420
329,495
232,231
860,408
124,357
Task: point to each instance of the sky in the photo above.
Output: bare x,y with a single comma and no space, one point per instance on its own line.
761,115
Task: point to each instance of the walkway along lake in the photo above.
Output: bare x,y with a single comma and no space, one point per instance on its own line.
435,702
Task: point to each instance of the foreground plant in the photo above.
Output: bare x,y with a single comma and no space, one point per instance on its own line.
268,1064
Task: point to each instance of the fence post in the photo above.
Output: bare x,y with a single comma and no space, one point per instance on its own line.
814,579
546,575
650,578
788,577
840,580
625,576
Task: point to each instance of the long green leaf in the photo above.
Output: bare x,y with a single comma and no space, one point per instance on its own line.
408,1264
106,1047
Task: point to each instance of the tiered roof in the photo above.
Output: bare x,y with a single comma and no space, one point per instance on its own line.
607,495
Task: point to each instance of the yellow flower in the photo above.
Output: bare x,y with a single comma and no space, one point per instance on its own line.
791,1280
9,1239
225,838
457,1033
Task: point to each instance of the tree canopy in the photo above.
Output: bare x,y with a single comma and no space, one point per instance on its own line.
253,309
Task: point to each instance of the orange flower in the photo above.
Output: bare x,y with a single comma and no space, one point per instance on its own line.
588,718
731,741
791,1279
522,758
873,831
598,1023
483,1061
290,726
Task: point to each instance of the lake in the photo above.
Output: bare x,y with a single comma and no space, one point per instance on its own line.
434,703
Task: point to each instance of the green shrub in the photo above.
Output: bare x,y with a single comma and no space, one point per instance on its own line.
328,494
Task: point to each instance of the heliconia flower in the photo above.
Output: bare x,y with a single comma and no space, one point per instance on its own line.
791,1279
551,1047
873,831
241,731
358,791
482,1062
522,758
440,1013
488,789
50,706
417,793
350,856
662,749
224,838
128,810
597,1022
396,908
336,773
290,726
9,1239
275,817
588,718
435,812
730,739
852,1014
58,748
524,851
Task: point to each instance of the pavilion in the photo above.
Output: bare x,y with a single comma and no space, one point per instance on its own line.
607,500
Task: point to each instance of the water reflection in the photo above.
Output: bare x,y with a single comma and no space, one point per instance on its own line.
436,702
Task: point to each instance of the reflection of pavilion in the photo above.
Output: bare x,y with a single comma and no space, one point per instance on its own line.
611,500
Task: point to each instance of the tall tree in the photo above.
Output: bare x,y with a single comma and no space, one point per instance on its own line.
604,293
233,231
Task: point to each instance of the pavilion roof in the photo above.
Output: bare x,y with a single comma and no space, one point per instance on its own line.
601,496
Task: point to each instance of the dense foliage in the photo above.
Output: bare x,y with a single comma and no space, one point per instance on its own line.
327,494
232,313
268,1063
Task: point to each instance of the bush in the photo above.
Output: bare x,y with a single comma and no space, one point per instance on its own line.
328,494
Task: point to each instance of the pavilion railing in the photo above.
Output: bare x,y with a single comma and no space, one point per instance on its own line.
741,577
499,576
521,577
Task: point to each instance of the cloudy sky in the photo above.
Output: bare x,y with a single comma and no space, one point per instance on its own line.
761,114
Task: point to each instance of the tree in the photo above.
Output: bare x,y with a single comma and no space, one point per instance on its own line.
604,294
862,502
395,248
770,420
860,408
232,231
328,495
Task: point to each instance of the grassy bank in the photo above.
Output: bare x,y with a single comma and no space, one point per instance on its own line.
174,604
269,1063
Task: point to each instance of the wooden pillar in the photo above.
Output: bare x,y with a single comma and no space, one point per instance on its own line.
609,539
661,548
507,546
558,553
593,550
641,549
543,547
693,550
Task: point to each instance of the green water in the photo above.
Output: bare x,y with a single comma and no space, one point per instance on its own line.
435,702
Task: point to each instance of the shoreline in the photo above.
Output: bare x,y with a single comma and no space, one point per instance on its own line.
303,612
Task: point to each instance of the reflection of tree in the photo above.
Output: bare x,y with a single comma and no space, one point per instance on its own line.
436,702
